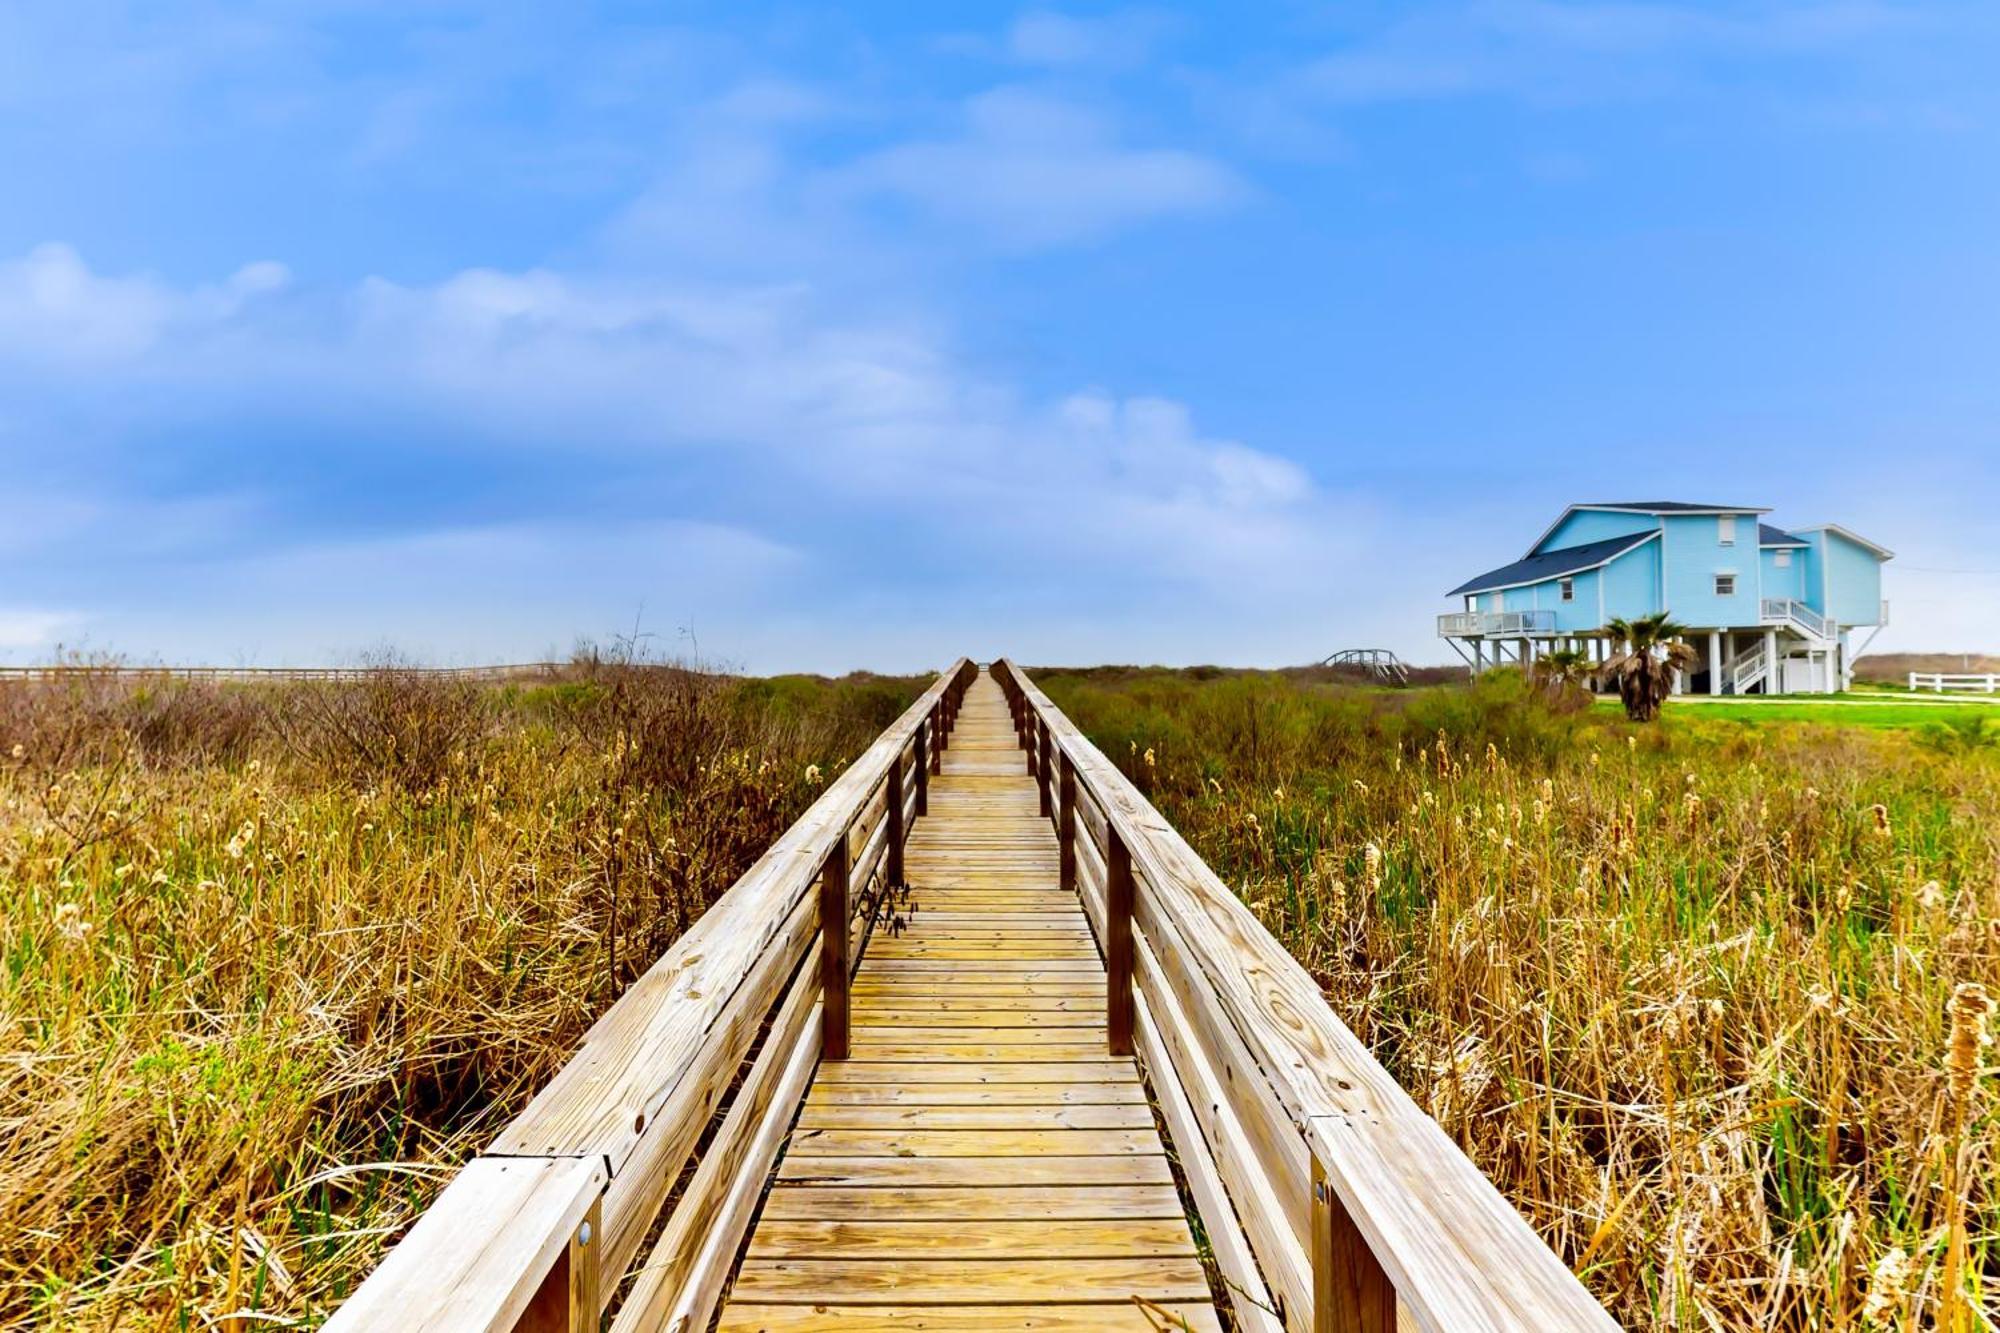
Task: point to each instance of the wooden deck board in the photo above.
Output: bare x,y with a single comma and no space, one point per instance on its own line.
1088,1115
965,1280
1038,1238
1128,1318
912,1203
981,1161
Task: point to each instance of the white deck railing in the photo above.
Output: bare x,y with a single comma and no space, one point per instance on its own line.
1459,624
1786,611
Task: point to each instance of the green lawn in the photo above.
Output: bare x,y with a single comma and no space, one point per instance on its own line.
1836,710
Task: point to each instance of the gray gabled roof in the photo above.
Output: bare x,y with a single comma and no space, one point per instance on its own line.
1881,552
1553,564
1770,536
1655,507
1673,507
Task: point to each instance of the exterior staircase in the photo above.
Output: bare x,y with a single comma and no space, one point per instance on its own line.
1798,617
1750,670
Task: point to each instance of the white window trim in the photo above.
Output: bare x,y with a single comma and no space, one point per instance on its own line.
1782,559
1718,585
1725,529
1567,589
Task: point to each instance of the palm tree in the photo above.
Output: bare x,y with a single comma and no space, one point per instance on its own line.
1562,676
1647,654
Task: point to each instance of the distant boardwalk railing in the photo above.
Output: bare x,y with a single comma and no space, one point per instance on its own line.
87,670
1331,1202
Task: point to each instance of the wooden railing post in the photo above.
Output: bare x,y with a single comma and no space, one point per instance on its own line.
1066,824
833,925
1351,1293
530,1235
1118,945
893,812
1017,697
1049,777
1042,773
942,730
569,1299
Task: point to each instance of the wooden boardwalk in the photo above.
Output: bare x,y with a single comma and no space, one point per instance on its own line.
953,1135
979,1162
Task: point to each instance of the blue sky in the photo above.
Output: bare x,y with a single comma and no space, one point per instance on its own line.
867,335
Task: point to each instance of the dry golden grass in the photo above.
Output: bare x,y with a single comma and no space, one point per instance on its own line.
1708,1001
275,959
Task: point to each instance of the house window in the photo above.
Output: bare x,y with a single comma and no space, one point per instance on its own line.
1725,530
1725,585
1568,587
1784,560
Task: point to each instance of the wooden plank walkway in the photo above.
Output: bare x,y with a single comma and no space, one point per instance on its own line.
980,1162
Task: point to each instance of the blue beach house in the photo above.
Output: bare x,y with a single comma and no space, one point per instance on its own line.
1771,610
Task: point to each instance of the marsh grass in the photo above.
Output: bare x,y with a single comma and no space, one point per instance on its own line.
272,959
1684,991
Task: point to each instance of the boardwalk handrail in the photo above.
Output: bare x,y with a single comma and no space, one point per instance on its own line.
537,1231
1327,1193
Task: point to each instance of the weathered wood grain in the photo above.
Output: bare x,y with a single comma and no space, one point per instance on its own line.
477,1258
1249,1297
979,1094
982,1160
1132,1114
678,1287
971,1203
645,1081
980,1150
1460,1256
967,1282
1126,1317
1041,1238
1003,1143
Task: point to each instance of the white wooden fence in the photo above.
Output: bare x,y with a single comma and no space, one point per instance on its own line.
1969,684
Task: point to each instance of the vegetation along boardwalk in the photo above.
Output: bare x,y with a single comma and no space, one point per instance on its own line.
922,1068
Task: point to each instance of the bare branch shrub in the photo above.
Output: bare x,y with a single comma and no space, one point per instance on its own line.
396,724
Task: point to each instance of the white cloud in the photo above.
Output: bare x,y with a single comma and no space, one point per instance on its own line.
1546,51
462,593
52,304
751,335
863,424
1043,37
53,307
1030,170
